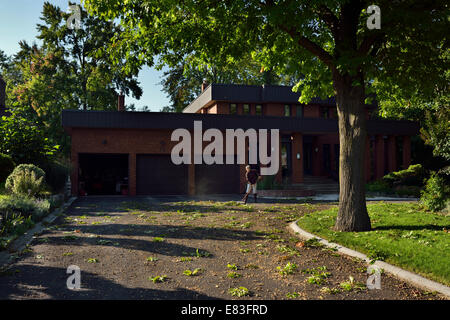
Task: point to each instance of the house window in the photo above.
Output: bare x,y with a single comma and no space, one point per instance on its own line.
325,112
287,110
246,109
299,111
233,108
258,110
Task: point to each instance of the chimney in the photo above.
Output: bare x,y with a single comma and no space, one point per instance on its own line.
204,85
2,95
121,102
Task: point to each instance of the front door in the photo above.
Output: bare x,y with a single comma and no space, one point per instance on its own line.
307,157
326,159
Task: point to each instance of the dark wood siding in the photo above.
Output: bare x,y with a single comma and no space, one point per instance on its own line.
156,174
171,120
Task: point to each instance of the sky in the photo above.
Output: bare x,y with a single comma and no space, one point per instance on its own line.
18,20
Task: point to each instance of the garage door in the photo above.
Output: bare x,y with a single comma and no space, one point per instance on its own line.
217,179
156,174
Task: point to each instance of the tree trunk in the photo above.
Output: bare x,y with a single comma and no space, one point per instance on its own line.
352,215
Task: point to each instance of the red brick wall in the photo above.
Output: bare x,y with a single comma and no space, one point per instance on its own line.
223,108
311,111
273,109
379,156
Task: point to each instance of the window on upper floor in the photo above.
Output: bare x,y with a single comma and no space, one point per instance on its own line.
287,110
258,109
233,108
246,109
299,111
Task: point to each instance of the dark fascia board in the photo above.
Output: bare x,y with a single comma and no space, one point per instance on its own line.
251,94
167,120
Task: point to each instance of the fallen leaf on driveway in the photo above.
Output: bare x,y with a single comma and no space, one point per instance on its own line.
300,244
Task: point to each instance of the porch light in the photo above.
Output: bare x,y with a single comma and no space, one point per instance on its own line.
298,156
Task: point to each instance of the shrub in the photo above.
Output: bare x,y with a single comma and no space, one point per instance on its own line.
413,176
6,166
378,186
25,206
14,224
408,191
55,175
26,179
269,183
436,193
266,183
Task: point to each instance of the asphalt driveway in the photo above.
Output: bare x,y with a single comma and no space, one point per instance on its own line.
199,248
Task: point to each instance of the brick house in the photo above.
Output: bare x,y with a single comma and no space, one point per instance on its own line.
124,152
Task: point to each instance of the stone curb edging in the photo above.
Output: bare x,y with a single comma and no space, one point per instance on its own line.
326,198
21,243
404,275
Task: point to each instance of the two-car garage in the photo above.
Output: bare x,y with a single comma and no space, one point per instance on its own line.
155,175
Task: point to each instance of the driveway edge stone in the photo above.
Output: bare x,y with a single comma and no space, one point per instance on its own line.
7,256
402,274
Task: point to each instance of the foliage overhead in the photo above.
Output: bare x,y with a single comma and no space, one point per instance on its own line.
286,36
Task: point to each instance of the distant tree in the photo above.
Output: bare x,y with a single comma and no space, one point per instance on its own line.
23,138
68,71
4,61
183,81
92,78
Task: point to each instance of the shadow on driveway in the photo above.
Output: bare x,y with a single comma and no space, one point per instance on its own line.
50,283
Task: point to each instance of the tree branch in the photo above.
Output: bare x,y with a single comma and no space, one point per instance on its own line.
369,42
311,46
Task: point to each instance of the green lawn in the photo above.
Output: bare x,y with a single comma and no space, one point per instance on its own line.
402,235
